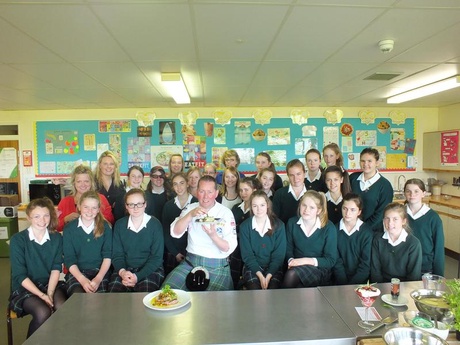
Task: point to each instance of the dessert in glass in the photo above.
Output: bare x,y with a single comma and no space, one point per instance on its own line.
367,294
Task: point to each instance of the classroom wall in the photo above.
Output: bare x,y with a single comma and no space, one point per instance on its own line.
449,118
426,120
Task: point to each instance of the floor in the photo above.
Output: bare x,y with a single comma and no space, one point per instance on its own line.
20,325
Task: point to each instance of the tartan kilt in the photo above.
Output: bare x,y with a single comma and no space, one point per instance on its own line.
18,297
72,282
219,273
312,276
251,277
149,284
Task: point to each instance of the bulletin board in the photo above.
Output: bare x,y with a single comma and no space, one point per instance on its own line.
60,145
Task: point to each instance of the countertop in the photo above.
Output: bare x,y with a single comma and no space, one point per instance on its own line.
440,200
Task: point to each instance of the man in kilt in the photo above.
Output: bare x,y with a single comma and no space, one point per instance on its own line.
211,238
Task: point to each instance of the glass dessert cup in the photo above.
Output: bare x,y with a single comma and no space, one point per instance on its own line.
367,294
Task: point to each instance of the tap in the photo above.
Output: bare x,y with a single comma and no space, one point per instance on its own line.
401,186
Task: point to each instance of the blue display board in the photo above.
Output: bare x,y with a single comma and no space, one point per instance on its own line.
62,144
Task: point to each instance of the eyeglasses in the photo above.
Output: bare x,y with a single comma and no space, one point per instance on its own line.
138,205
156,176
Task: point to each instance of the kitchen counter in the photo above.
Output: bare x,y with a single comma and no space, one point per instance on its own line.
440,200
297,316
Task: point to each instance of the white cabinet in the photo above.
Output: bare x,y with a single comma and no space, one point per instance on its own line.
451,225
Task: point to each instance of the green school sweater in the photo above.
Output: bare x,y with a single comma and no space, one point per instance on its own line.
403,261
34,261
84,250
265,252
142,250
354,262
374,199
284,204
322,245
429,230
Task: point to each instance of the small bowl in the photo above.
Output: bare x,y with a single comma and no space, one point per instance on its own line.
412,314
408,335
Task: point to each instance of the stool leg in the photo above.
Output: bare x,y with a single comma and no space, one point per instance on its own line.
9,328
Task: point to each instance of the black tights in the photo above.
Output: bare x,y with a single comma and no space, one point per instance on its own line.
40,311
291,280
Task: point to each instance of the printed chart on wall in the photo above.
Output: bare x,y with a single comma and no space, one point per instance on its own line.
61,145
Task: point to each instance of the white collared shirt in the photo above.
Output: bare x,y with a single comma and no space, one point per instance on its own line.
329,198
177,202
358,224
199,242
241,206
402,237
305,230
85,228
420,212
145,220
32,237
265,229
366,184
317,177
158,192
291,190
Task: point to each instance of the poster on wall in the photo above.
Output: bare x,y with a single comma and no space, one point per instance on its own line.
167,133
139,152
194,151
449,148
162,154
61,142
8,162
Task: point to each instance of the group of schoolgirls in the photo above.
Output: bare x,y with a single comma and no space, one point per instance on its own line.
314,232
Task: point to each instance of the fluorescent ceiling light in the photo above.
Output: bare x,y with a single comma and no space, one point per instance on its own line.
430,89
176,87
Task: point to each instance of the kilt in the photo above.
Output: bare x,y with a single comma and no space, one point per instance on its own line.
251,277
18,297
312,276
149,284
72,282
219,273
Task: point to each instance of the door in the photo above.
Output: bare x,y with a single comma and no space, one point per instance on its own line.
13,144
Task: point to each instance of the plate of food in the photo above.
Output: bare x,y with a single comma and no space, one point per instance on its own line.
207,220
167,299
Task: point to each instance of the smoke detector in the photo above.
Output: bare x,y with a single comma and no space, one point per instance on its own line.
386,46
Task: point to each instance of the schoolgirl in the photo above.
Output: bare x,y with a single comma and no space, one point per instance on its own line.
88,248
313,177
311,250
137,248
398,253
426,225
375,190
354,243
263,245
337,185
175,248
267,178
264,161
36,262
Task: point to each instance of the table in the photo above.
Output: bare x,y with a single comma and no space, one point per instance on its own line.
289,316
344,300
